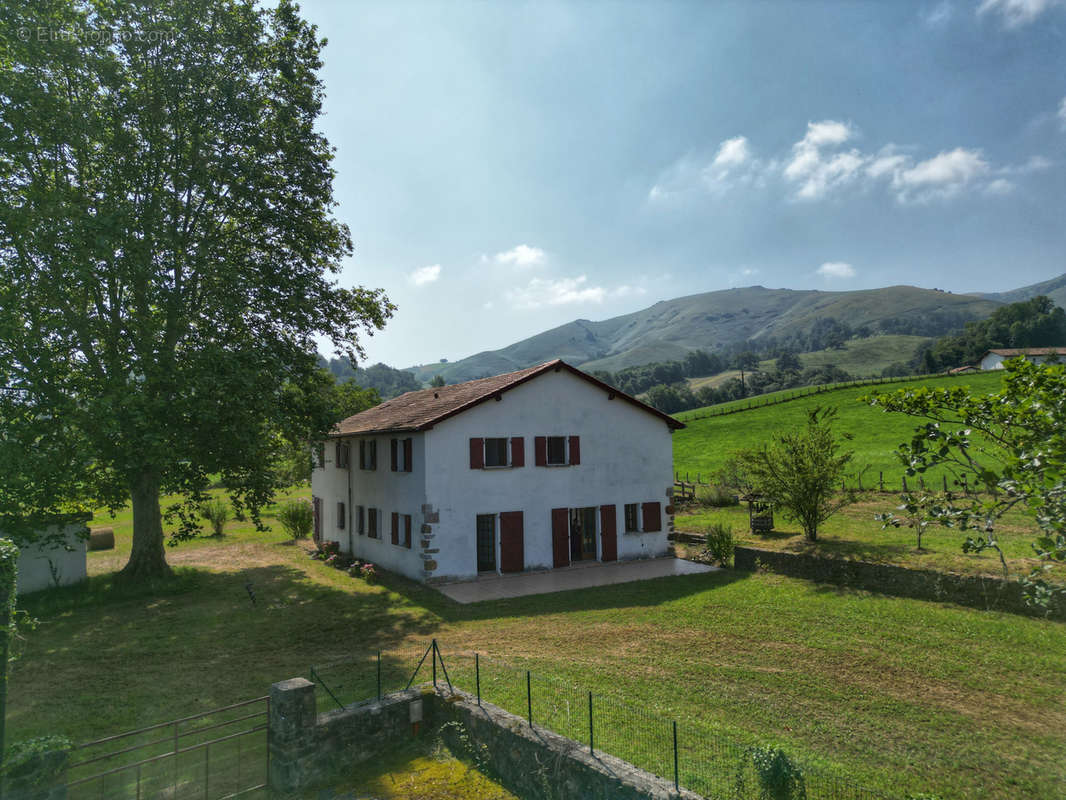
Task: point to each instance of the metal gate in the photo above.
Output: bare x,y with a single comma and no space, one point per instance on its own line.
217,754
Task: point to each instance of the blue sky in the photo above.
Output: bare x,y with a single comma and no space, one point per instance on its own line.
506,168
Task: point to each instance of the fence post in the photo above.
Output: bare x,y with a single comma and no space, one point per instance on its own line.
379,674
433,647
881,479
945,478
591,740
477,676
677,782
529,698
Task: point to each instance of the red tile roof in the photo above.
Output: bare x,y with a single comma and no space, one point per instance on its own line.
421,410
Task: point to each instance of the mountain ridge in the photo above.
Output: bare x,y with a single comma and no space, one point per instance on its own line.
668,329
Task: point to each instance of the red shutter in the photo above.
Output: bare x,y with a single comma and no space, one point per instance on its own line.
395,527
575,449
362,454
518,451
407,531
512,542
316,505
653,518
561,537
540,451
407,455
393,452
477,453
608,534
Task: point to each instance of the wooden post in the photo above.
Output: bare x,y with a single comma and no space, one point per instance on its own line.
904,483
881,479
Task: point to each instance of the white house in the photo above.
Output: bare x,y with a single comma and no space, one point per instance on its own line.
534,469
994,359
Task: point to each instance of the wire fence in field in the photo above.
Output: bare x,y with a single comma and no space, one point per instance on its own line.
687,753
220,753
775,398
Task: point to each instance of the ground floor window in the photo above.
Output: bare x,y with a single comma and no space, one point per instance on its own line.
486,542
632,515
372,523
583,533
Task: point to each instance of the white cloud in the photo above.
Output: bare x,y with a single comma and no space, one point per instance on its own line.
1016,13
424,275
732,152
836,270
521,256
938,15
999,186
818,165
628,291
813,169
541,292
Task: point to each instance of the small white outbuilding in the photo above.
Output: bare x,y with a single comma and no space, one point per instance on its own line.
57,558
534,469
994,359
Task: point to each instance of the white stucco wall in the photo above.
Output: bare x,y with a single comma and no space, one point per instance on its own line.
992,361
383,489
34,572
626,457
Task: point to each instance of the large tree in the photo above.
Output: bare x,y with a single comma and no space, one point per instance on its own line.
167,249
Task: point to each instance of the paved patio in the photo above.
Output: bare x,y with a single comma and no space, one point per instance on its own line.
576,576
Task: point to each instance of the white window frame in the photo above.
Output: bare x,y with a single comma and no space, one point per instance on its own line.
566,451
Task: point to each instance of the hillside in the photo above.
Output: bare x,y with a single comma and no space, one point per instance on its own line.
863,357
713,320
705,444
1054,288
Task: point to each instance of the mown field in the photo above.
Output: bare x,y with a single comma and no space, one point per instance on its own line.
705,444
897,694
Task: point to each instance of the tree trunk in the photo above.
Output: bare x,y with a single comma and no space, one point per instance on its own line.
147,557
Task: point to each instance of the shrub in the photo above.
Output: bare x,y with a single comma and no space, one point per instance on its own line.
297,517
776,776
41,759
720,543
715,497
216,512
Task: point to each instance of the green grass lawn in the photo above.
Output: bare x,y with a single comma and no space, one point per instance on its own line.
705,444
863,357
898,694
854,533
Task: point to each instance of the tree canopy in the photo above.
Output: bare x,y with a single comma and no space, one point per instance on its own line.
168,250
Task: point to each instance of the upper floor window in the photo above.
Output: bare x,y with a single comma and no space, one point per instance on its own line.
557,451
320,454
343,453
368,454
497,451
401,451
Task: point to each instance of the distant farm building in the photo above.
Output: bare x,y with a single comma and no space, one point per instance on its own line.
994,359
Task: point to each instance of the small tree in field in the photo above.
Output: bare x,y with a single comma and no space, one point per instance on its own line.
799,471
1003,451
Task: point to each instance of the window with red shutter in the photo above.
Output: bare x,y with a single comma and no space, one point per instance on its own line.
477,453
518,451
394,452
407,531
653,518
575,449
540,451
407,455
395,527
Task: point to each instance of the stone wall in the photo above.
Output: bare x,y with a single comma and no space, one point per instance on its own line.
968,590
537,764
308,749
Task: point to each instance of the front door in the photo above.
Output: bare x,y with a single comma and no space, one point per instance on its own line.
512,542
583,534
486,542
608,534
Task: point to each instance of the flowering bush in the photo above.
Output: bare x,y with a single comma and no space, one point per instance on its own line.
362,569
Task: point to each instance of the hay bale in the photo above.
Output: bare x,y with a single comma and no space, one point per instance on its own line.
102,539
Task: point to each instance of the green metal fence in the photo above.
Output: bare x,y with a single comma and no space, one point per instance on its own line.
684,752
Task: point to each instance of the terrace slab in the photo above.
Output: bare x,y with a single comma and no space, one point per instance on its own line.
576,576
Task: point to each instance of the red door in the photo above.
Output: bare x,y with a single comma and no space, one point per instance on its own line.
512,538
561,536
608,534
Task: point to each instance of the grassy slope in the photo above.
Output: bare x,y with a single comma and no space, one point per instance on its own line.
899,694
705,444
863,357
